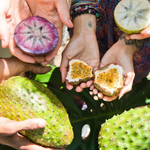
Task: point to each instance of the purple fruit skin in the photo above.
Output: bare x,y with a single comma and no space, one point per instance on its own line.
30,44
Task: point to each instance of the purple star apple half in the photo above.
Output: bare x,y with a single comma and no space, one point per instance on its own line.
36,36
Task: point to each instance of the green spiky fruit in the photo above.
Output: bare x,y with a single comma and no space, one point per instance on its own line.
130,131
22,98
132,16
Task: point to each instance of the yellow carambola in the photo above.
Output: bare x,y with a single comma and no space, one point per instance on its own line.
130,130
22,98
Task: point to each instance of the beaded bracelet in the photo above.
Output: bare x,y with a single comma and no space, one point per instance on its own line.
82,8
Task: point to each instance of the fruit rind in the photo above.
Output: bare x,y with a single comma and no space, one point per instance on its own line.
78,72
101,86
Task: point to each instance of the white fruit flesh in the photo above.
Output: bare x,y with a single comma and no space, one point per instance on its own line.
110,78
78,70
132,16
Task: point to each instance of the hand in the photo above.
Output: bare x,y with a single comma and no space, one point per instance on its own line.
142,35
55,11
83,46
121,54
9,133
11,13
14,67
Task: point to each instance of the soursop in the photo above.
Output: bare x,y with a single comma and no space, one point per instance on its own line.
128,131
22,98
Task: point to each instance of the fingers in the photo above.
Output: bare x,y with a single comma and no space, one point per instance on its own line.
18,53
63,10
11,127
19,142
143,35
137,36
37,69
64,67
128,84
109,99
69,86
4,32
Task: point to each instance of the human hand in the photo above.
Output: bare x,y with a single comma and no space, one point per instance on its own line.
9,133
142,35
55,11
12,13
14,67
122,54
83,46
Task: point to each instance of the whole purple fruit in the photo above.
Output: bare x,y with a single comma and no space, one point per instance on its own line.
36,36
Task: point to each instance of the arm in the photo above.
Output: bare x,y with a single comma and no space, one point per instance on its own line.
83,45
122,53
14,67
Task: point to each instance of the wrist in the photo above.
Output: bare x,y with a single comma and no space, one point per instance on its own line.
84,24
135,44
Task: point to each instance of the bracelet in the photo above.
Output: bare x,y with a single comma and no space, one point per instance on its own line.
82,8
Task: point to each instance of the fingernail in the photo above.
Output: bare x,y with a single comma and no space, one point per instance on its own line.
120,96
70,22
3,43
104,100
41,123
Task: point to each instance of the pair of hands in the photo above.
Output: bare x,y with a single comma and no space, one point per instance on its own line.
11,13
84,46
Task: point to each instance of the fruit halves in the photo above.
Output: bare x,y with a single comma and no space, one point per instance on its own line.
21,99
130,131
109,79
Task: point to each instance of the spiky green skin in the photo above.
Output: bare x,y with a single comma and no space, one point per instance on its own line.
130,130
21,99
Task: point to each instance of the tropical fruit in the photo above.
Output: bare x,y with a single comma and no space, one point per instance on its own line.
109,79
22,98
130,131
132,16
36,36
79,71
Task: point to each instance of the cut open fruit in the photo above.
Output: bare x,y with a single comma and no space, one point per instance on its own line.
109,80
36,36
79,71
132,16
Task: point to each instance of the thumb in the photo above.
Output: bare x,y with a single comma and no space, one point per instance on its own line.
128,84
38,69
64,68
4,32
29,124
63,10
